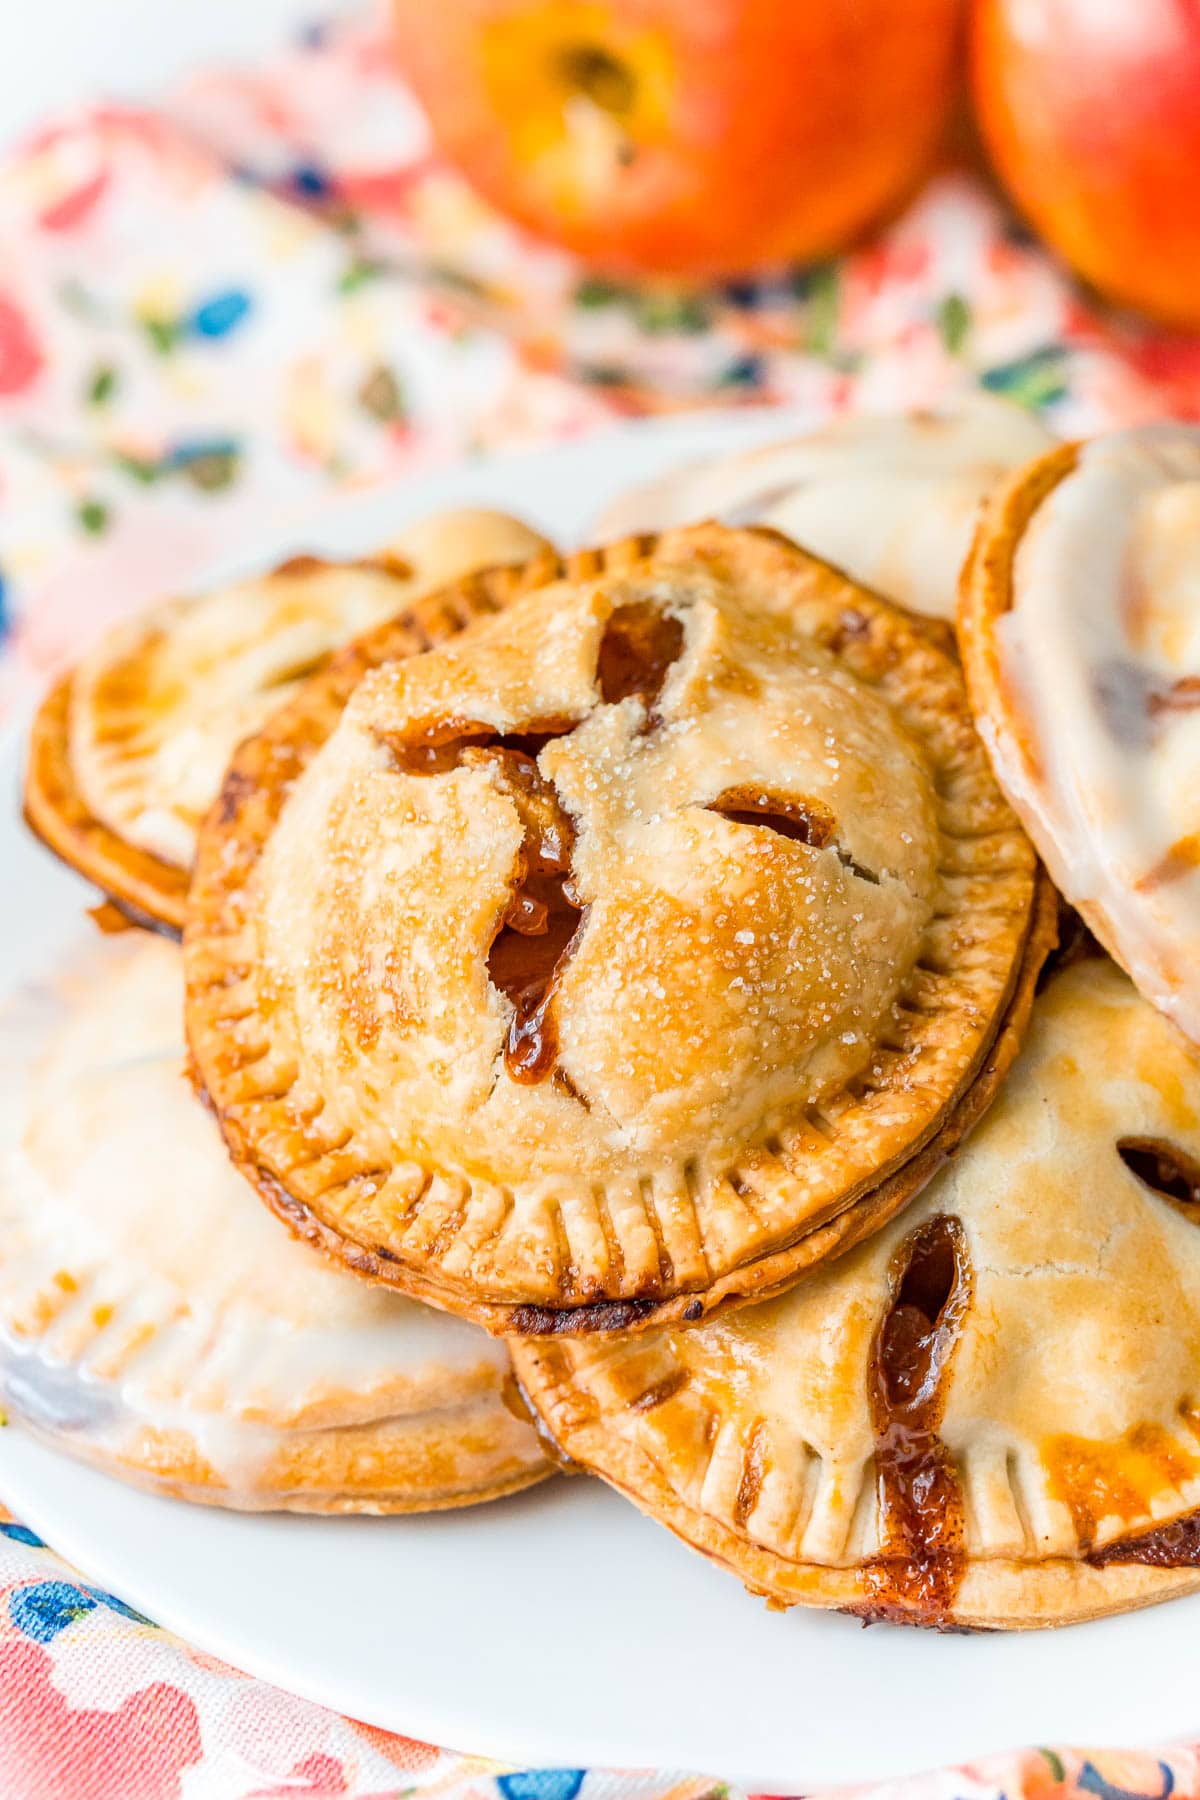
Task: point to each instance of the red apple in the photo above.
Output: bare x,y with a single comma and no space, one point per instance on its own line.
692,137
1091,113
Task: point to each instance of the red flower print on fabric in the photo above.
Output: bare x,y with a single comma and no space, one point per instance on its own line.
141,1748
21,359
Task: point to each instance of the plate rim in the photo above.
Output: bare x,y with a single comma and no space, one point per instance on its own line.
539,1738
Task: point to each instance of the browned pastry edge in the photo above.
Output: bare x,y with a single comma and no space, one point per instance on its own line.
865,1211
151,893
253,794
985,595
762,1279
996,1594
985,586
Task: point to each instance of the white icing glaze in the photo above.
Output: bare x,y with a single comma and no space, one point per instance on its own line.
143,1286
1099,742
891,499
161,702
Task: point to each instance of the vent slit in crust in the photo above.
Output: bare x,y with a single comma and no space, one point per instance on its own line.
1028,1334
754,1465
800,821
639,645
921,1524
1173,1546
1166,1170
542,923
127,751
542,918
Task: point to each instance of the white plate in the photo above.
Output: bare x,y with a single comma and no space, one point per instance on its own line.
561,1628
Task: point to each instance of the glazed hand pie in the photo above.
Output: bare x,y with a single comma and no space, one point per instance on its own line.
1080,624
128,751
154,1320
892,499
989,1415
625,956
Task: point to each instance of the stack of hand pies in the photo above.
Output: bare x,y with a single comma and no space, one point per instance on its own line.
663,996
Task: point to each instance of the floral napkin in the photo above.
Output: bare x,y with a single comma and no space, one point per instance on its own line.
222,312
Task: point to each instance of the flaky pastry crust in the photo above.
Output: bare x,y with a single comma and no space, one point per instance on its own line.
890,498
765,1035
987,1415
154,1321
1080,639
128,749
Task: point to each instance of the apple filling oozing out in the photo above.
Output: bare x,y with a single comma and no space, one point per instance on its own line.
921,1557
540,923
543,918
639,644
1173,1546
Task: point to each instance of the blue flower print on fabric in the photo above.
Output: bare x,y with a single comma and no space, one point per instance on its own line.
541,1784
220,314
45,1608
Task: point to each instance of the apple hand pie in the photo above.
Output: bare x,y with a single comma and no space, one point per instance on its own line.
891,499
1080,627
129,749
627,955
156,1322
987,1416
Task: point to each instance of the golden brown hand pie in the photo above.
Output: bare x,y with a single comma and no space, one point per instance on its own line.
156,1321
891,499
1080,626
129,749
627,955
989,1415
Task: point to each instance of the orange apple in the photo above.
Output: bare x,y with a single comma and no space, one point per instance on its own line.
1091,113
691,137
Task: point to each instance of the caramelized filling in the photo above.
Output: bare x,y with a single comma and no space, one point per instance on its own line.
921,1522
1173,1546
803,821
543,914
639,645
1163,1167
440,746
540,922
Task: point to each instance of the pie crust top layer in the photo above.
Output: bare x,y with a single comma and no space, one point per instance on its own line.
607,951
990,1413
1080,623
155,1318
892,499
129,750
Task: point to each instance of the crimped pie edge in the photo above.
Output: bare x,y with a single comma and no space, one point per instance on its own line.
243,817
